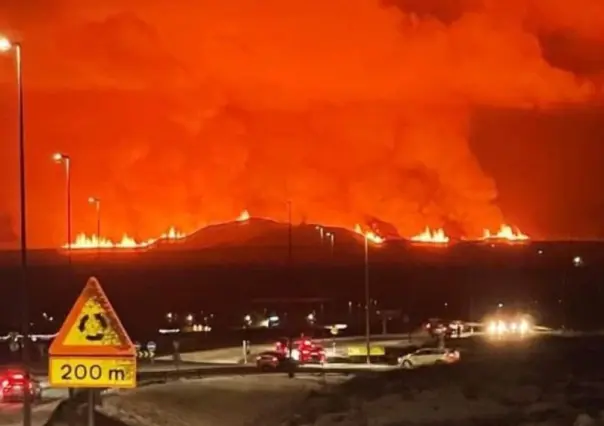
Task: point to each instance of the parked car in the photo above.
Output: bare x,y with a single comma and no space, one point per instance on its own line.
272,361
428,356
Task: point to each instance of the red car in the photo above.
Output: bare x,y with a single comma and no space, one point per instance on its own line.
14,384
304,350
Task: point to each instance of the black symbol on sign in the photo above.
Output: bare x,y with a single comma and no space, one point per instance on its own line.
93,328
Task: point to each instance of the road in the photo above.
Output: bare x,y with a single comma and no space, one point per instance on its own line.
231,361
235,355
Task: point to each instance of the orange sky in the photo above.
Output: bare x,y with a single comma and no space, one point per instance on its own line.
350,108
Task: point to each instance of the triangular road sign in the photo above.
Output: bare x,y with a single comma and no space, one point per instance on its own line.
92,327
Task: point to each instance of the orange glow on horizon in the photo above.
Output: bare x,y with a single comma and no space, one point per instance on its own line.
428,236
85,242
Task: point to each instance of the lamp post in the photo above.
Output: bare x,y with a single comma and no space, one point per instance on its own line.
332,240
367,300
290,273
577,262
7,45
66,160
96,202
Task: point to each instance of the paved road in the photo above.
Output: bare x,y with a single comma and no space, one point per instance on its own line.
230,361
234,355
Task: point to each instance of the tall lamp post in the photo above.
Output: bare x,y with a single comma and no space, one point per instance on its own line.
66,160
7,45
332,240
96,202
367,302
290,273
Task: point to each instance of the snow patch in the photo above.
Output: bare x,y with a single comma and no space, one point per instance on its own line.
260,400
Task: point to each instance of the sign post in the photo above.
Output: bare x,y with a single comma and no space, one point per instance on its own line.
152,347
92,349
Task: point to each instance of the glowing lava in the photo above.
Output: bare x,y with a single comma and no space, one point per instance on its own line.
245,215
370,235
505,233
436,236
85,242
94,242
429,236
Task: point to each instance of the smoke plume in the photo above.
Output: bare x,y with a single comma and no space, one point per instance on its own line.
351,109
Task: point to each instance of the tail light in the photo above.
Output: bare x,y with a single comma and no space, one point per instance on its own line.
17,376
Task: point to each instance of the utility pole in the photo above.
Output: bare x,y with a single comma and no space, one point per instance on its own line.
367,303
291,370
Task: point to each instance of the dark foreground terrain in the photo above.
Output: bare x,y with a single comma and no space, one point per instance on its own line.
548,380
540,380
228,277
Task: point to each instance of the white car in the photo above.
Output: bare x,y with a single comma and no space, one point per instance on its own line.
428,356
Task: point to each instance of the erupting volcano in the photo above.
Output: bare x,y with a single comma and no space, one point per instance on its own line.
363,111
84,242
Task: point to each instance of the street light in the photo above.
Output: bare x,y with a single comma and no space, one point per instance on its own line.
7,45
96,202
321,231
65,159
332,240
290,272
564,301
367,322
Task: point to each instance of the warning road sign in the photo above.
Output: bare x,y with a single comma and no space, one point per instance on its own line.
92,349
92,328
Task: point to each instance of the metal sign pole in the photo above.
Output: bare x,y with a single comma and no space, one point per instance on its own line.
90,407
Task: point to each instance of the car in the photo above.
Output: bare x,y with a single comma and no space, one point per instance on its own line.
428,356
437,327
14,383
272,361
304,350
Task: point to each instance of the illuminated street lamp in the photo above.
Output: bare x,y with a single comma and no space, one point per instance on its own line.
7,45
332,240
60,158
577,262
321,231
96,202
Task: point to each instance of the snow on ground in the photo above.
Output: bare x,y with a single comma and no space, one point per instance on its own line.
255,400
524,383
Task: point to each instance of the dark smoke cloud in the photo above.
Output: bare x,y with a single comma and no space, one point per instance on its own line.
353,109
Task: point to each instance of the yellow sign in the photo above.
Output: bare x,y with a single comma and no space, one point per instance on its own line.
92,372
92,328
362,351
92,349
